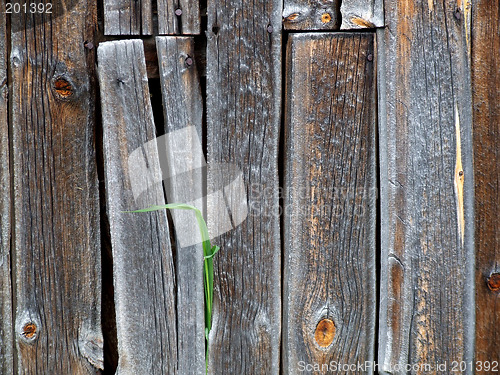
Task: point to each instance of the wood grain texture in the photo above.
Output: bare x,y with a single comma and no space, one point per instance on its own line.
362,14
179,17
183,154
57,239
330,193
142,260
128,17
427,222
243,115
486,99
6,330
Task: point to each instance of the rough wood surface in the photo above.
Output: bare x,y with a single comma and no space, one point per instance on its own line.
6,339
486,98
362,14
333,14
330,192
179,17
57,241
142,259
183,156
128,17
243,103
427,225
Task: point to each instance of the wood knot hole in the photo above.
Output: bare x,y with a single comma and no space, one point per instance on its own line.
29,331
325,18
63,87
494,282
325,332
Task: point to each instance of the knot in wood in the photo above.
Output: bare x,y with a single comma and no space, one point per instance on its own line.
325,332
29,331
494,282
63,88
325,18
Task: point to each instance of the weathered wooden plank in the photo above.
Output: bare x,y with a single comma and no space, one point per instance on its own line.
183,154
486,99
361,14
243,103
128,17
179,17
427,227
142,259
6,330
57,240
329,199
332,15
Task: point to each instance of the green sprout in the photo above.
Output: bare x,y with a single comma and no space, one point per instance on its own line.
208,266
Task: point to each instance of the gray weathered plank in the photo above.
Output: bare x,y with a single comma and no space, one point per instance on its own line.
486,97
243,103
329,199
427,225
142,259
332,15
179,17
6,339
128,17
57,240
183,112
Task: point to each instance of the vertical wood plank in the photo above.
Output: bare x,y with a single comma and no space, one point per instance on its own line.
142,260
183,110
243,103
427,229
329,199
486,96
332,15
179,17
57,239
6,339
128,17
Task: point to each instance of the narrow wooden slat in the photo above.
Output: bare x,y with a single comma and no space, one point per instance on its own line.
486,97
142,259
243,103
57,239
6,339
179,17
332,15
329,200
427,228
128,17
183,111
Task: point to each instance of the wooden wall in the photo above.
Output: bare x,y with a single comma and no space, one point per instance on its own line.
367,148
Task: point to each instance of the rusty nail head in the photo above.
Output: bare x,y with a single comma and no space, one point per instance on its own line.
494,282
270,29
189,61
29,330
369,57
178,12
88,45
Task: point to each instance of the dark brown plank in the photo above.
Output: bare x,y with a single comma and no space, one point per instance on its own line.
57,239
243,103
179,17
142,259
427,224
332,15
329,199
6,339
183,155
128,17
486,97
